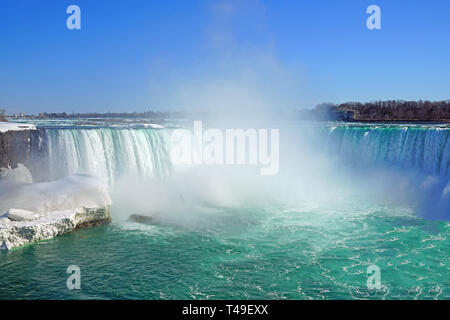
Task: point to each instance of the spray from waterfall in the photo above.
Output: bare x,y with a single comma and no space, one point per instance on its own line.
319,166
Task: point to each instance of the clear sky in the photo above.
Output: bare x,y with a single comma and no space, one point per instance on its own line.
166,55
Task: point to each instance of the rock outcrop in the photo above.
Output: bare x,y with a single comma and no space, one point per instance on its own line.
21,215
141,219
18,233
32,212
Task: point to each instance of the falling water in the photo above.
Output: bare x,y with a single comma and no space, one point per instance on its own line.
110,153
107,153
426,149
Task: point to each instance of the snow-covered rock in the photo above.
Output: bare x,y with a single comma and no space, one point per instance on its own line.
79,190
36,211
11,126
21,215
18,233
21,174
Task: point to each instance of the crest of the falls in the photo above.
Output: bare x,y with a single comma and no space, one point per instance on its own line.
106,152
426,149
111,153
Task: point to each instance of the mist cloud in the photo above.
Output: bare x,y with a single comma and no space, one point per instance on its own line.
237,68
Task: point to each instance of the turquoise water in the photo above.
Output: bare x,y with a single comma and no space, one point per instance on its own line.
245,254
351,197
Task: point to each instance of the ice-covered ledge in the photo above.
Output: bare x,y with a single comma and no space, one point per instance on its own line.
31,212
18,233
12,126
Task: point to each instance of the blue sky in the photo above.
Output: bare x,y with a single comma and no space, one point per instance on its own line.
168,55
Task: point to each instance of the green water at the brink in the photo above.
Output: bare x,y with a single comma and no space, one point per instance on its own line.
281,253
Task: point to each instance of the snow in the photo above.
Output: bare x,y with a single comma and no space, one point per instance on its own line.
75,191
31,212
11,126
156,126
21,215
148,125
21,174
18,233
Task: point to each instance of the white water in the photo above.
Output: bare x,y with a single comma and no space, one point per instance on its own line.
112,153
107,153
424,148
322,165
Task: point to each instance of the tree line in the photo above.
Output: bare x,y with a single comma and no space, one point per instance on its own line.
145,114
388,110
398,110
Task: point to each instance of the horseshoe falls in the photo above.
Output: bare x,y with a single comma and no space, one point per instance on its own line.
347,197
110,153
106,152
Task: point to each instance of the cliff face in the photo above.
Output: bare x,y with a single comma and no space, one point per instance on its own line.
17,147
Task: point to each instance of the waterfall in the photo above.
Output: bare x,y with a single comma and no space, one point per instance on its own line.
110,152
423,148
107,152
